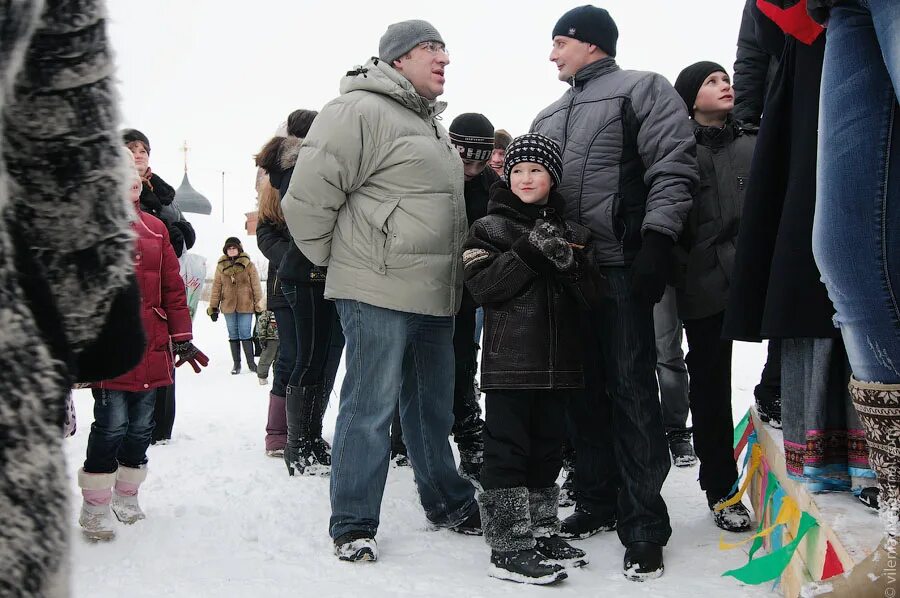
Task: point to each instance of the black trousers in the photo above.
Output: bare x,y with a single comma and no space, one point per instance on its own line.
523,435
320,338
467,422
164,411
709,369
771,374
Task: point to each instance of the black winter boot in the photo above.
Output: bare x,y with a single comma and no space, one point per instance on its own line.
583,524
235,356
681,448
506,520
320,461
248,353
292,402
543,505
643,560
768,404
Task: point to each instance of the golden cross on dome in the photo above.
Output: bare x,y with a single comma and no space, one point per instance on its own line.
185,149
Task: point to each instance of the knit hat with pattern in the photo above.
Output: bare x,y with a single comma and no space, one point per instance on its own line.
533,147
473,135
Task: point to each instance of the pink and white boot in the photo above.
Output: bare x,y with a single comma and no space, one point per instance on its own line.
125,497
96,519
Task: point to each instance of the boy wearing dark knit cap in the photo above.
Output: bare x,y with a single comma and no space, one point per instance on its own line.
502,139
521,261
629,169
705,255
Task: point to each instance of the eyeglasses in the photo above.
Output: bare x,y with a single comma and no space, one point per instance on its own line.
434,47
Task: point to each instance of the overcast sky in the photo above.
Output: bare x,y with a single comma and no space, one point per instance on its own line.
223,75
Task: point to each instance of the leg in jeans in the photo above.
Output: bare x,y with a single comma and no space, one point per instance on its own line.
670,367
294,294
627,344
856,235
108,430
231,324
133,451
547,432
709,365
507,438
376,343
426,410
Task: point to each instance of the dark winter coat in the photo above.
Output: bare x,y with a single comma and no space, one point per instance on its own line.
531,322
776,291
293,267
236,286
157,201
65,260
273,240
164,310
629,157
478,195
754,68
705,252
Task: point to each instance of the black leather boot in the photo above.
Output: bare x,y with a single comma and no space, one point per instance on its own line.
248,353
321,450
235,356
292,401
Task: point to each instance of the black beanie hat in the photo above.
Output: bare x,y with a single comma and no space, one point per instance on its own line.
473,135
691,78
534,147
232,242
589,24
129,135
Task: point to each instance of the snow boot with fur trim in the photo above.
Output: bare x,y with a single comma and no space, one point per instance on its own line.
96,519
125,495
543,504
506,521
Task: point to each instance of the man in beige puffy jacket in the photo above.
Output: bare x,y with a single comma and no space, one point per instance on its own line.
377,196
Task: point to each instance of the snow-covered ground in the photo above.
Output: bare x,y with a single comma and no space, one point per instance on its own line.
224,520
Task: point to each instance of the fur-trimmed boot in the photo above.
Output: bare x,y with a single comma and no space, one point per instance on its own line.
543,503
125,496
878,406
235,356
247,344
506,521
96,519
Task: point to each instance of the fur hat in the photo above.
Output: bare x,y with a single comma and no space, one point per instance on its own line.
591,25
131,135
502,139
402,37
534,147
232,242
691,78
473,135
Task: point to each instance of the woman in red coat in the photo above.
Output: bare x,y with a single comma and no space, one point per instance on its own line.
123,406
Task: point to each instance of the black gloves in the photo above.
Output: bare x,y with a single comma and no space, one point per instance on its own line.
652,267
548,238
213,313
188,353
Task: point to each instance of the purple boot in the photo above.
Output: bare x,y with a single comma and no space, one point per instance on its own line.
276,427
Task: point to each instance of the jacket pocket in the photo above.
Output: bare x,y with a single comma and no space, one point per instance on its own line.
497,330
381,232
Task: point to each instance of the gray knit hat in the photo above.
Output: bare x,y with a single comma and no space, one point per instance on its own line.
402,37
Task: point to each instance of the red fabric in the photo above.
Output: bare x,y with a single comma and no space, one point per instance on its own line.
832,564
164,308
794,21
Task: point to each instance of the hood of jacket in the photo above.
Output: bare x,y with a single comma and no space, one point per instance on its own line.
377,76
288,152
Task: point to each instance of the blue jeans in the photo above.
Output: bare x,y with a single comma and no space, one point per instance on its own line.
856,235
671,371
122,428
390,355
240,326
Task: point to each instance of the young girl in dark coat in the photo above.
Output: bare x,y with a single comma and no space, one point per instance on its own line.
520,265
707,248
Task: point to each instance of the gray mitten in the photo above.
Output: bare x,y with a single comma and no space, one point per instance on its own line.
548,238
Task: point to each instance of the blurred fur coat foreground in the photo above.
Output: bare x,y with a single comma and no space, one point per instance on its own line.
65,262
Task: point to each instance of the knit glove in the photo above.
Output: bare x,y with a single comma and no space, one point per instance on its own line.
188,353
213,313
651,267
549,240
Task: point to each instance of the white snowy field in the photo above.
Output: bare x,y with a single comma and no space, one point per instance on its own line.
225,520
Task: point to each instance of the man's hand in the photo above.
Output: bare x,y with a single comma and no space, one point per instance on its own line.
188,353
651,267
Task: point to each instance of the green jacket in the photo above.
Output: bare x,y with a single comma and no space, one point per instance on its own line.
377,196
